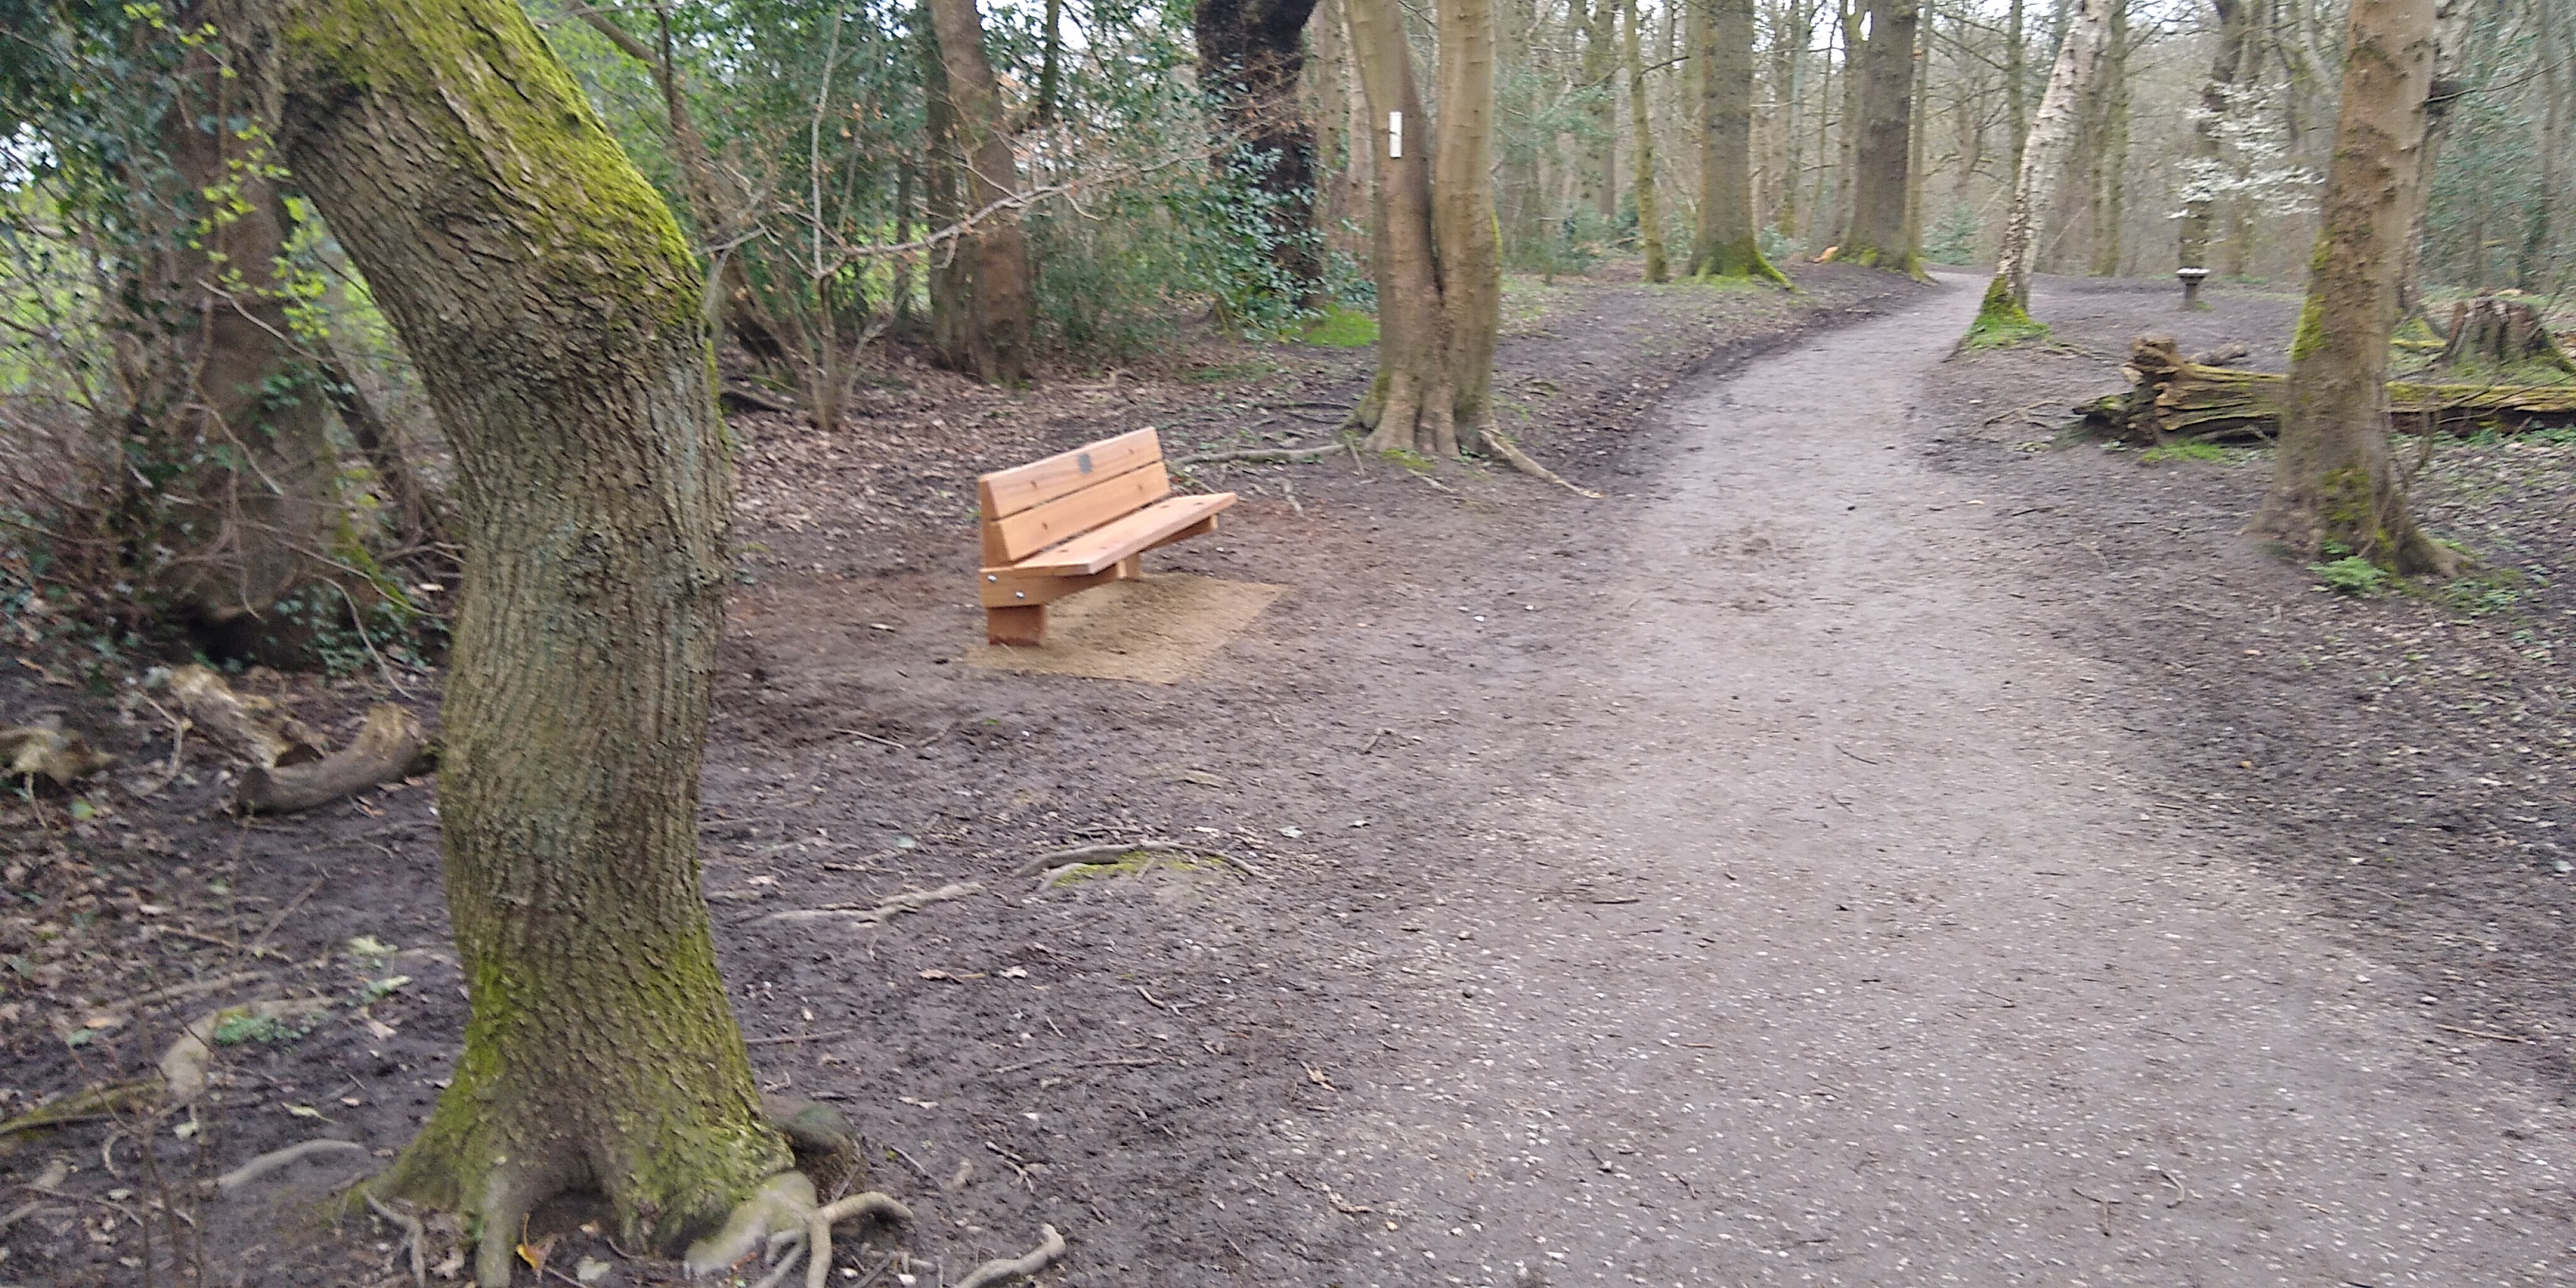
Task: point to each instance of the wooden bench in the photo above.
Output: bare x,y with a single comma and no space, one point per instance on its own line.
1074,521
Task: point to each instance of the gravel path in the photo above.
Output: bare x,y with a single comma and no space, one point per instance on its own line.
1829,934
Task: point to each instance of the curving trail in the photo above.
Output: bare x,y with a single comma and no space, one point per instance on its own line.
1830,933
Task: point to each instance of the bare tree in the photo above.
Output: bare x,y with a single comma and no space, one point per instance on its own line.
2333,484
1877,234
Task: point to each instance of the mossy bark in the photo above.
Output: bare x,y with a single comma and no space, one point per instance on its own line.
1726,244
1877,234
2333,481
555,314
1251,55
1650,213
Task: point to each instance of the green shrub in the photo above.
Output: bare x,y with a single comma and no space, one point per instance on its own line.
2352,575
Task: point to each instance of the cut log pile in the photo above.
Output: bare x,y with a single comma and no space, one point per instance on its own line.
2171,397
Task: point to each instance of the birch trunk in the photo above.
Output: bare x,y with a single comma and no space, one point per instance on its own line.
2333,483
556,317
2043,156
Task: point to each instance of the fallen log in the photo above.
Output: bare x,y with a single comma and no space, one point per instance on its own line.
390,746
46,749
2171,398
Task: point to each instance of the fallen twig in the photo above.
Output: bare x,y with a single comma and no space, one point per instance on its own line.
786,1038
177,991
909,901
2480,1033
277,1158
414,1234
1050,1246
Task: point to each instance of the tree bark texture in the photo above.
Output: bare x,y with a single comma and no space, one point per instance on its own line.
1438,262
2333,480
2193,229
1650,215
1251,53
1876,235
1596,152
1727,244
2110,151
230,418
2043,156
556,317
996,342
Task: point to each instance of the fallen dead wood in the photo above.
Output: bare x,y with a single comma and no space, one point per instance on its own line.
879,914
253,728
2171,398
390,746
47,750
1258,454
86,1106
1520,460
278,1158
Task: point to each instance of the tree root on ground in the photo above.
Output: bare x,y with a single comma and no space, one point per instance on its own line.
1510,452
1050,1246
277,1158
86,1106
414,1235
783,1217
1258,454
878,915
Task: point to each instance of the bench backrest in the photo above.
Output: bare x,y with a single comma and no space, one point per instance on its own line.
1042,503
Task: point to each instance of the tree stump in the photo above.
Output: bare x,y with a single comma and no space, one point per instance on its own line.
2500,332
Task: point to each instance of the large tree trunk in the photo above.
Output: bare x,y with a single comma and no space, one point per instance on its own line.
2333,481
2043,155
995,344
1438,260
1650,215
1250,55
554,312
1795,26
1876,235
1727,244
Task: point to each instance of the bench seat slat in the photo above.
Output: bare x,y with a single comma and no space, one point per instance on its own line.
1111,542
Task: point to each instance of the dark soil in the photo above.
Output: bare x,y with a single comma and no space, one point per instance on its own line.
1092,1057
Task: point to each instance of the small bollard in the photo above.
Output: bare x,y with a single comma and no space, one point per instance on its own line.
2191,278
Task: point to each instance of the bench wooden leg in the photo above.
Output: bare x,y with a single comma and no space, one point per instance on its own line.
1131,567
1021,625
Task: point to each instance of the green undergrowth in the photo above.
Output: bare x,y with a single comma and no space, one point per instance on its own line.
1341,328
2190,450
2001,321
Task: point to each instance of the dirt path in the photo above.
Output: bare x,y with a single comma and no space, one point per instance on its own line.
1827,936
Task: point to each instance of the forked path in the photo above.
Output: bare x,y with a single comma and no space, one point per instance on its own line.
1829,935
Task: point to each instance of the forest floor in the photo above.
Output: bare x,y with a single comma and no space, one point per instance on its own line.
1878,843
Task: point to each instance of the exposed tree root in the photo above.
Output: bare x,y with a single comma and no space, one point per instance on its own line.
414,1235
908,901
1083,854
1050,1246
818,1228
1258,454
1520,460
389,747
277,1158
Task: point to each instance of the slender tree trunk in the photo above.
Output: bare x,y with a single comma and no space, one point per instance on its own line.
1050,56
2016,81
2333,483
1650,218
1462,219
1919,134
1789,80
555,315
1847,123
951,265
1876,235
2043,156
997,345
1727,244
1251,53
2207,168
1596,187
2111,147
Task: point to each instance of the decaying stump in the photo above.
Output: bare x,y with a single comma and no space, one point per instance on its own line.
2500,333
47,750
253,728
2171,397
389,747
